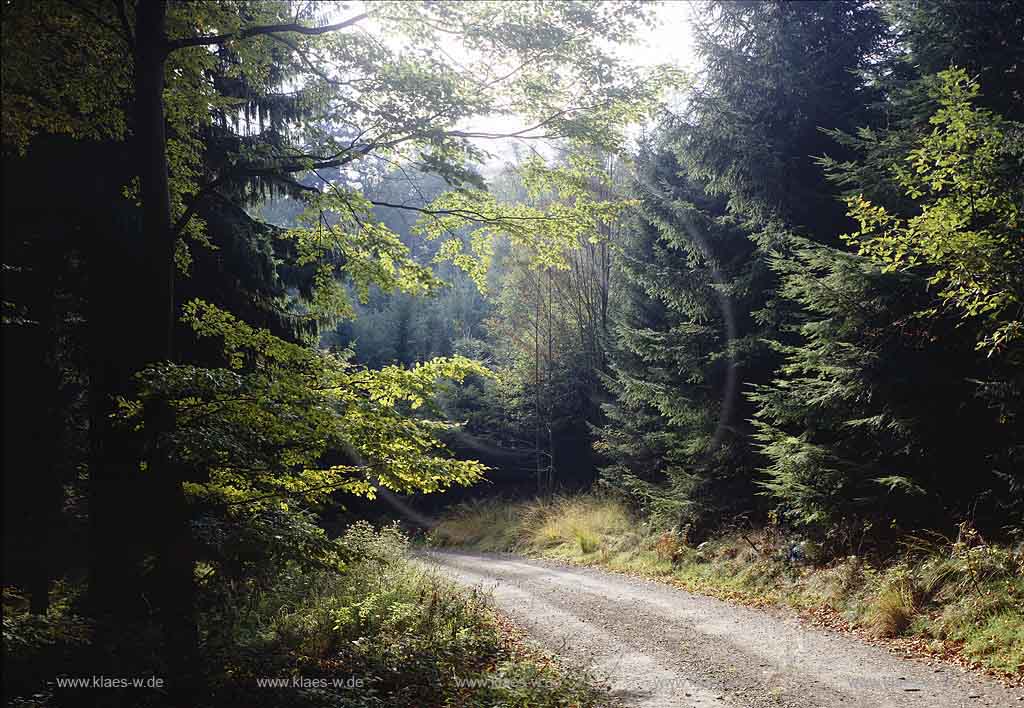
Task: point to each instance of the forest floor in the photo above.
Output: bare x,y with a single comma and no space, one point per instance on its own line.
658,646
380,632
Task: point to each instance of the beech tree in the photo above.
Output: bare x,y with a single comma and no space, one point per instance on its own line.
965,177
226,101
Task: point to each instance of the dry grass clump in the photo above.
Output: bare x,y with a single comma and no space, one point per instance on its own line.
584,524
490,525
890,612
563,526
669,547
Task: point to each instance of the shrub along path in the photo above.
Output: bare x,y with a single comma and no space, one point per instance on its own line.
659,646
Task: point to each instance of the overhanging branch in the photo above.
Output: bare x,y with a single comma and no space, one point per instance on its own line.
258,30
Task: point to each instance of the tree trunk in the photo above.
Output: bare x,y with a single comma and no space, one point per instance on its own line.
45,436
536,386
550,477
175,564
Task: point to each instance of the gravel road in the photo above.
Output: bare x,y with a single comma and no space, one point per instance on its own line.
659,646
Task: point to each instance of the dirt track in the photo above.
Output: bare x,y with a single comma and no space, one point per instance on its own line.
658,646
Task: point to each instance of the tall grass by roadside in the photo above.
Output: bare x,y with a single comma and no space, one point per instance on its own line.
416,638
558,527
383,632
962,597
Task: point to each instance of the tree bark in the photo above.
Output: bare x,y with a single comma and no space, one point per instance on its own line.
45,434
175,563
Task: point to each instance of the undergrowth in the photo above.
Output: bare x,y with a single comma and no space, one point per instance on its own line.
962,596
381,632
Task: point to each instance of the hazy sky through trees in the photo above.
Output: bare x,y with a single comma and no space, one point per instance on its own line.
670,41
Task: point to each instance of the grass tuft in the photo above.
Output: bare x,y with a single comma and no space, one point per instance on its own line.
890,613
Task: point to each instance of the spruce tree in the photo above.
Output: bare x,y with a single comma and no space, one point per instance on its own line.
866,424
743,161
682,334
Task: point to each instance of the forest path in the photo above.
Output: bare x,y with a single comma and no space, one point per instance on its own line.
659,646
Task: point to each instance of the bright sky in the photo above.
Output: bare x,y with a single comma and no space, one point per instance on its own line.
669,42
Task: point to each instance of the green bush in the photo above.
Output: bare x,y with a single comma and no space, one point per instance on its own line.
412,637
389,631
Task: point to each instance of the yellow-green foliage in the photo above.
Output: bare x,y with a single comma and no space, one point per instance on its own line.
964,591
266,419
967,227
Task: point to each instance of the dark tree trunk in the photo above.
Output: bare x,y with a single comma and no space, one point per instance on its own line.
175,565
116,532
131,325
154,188
44,439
